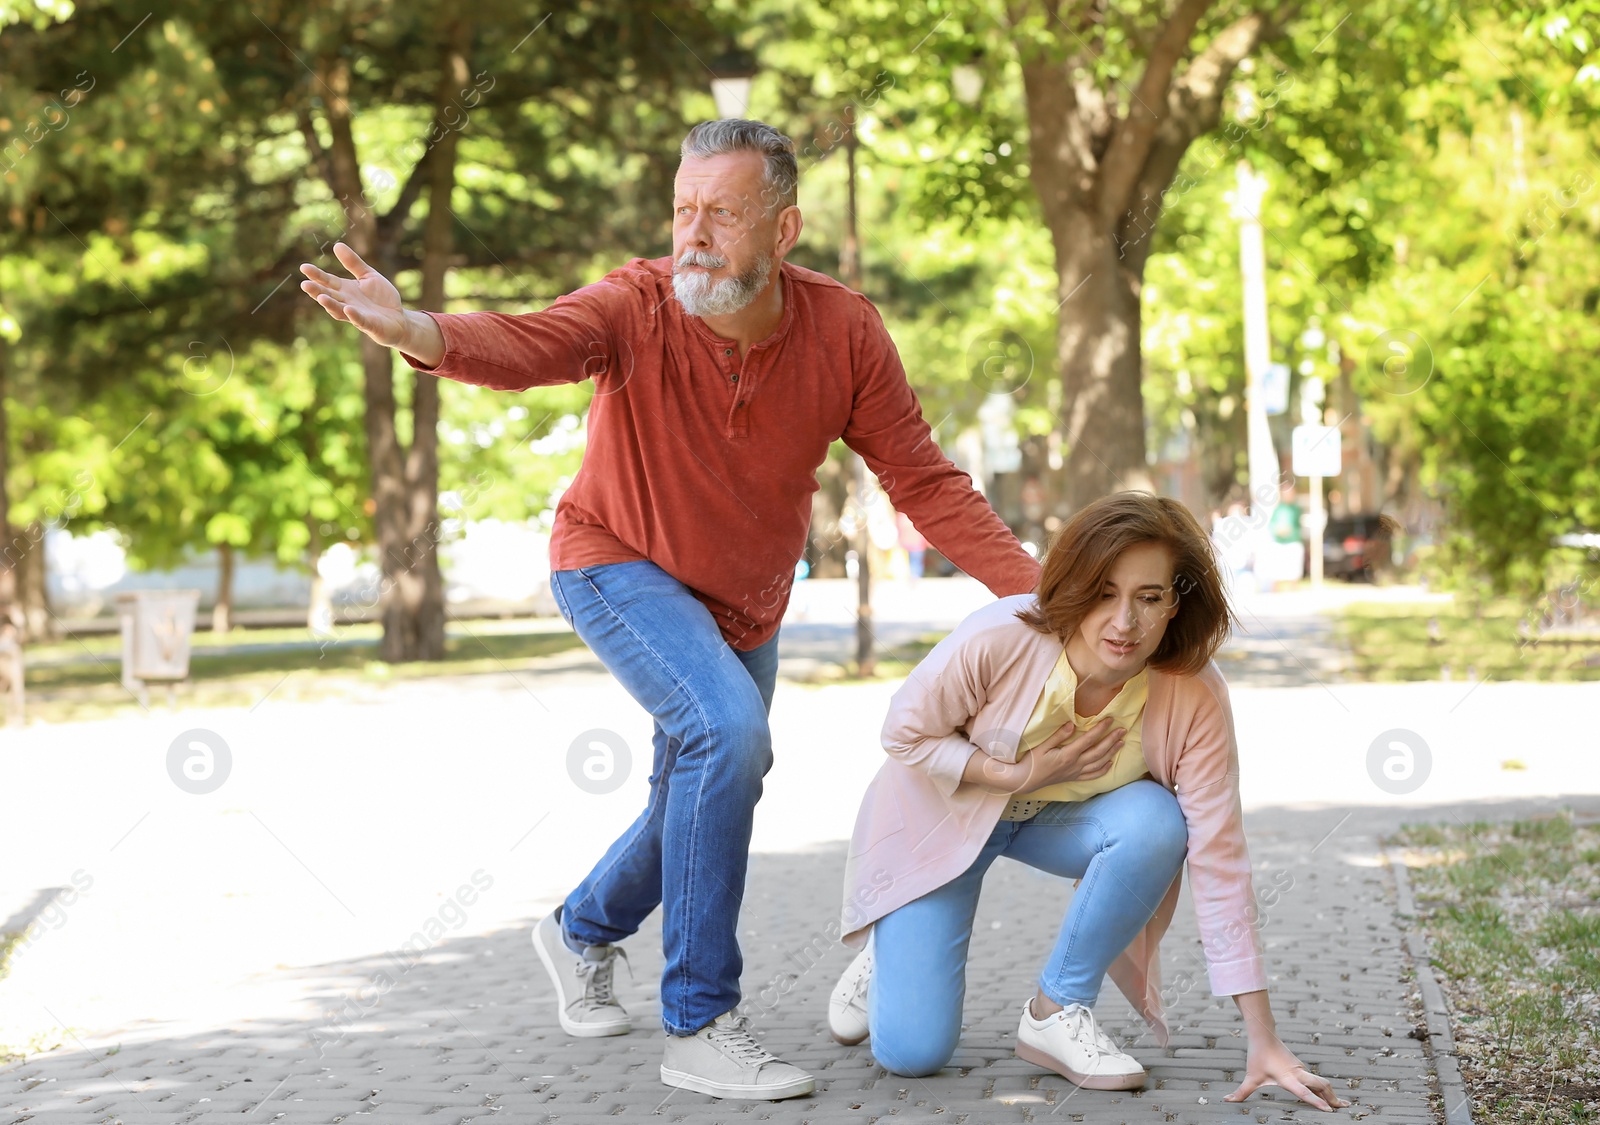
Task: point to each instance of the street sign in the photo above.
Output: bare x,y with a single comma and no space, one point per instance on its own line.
1275,388
1316,451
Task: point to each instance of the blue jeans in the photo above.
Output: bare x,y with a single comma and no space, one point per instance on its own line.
689,849
1126,845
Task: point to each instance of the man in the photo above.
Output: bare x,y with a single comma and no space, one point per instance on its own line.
722,374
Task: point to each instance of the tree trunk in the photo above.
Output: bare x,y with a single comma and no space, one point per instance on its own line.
827,506
1101,172
1097,348
405,482
222,611
33,593
850,274
421,586
9,609
410,630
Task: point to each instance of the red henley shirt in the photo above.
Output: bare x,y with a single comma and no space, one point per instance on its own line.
705,464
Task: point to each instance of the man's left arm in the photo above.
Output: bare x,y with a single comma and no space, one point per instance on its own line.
887,428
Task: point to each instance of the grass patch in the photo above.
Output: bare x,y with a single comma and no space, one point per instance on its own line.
39,1044
1513,915
1408,641
895,662
76,680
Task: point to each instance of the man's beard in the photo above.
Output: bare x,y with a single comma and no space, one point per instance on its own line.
701,296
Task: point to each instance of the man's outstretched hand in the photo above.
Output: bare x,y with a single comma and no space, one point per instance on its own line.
370,301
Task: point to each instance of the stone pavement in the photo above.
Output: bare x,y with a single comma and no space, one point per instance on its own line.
467,1032
241,953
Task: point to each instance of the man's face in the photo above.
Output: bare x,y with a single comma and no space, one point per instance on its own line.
724,233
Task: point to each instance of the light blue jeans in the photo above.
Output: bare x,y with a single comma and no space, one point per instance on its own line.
1126,845
689,849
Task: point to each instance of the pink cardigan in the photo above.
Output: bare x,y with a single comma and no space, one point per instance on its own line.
919,826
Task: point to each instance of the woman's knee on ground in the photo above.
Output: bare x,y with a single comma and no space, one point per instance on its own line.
915,1050
914,1015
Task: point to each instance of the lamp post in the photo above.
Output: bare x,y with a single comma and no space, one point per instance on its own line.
731,75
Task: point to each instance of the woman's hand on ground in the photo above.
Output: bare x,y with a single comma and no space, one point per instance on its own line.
1273,1064
1073,755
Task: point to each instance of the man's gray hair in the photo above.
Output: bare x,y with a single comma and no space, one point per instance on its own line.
735,134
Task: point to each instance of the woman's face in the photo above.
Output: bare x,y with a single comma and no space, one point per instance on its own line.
1125,626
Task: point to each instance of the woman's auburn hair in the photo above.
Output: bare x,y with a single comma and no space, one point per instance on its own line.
1081,556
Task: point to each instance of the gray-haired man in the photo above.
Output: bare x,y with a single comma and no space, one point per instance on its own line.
722,375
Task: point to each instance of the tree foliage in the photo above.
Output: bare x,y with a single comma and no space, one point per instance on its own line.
1432,213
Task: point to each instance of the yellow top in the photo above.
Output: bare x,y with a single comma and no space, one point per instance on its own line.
1056,707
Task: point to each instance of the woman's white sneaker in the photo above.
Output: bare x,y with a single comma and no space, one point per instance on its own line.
584,1001
1070,1044
723,1059
847,1007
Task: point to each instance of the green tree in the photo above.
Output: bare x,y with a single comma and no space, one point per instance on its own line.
1483,334
224,146
262,459
1080,117
391,103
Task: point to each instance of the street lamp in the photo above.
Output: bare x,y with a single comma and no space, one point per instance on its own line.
731,74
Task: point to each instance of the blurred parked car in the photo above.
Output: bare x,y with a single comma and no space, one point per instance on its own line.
1355,548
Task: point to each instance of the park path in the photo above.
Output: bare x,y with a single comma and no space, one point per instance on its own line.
234,954
468,1032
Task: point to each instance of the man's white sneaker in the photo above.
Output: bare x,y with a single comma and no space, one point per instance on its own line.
584,1002
1070,1044
847,1007
723,1060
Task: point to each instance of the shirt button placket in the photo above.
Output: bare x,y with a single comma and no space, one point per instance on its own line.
739,425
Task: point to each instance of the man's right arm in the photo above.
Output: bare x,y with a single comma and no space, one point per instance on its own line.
568,342
422,344
574,339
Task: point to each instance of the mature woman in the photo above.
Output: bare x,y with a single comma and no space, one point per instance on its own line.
1085,731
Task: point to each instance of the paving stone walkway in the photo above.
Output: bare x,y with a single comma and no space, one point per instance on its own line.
468,1031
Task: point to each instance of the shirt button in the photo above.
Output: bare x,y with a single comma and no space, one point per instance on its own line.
735,378
727,351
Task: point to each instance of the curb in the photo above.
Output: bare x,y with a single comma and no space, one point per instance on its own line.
1436,1017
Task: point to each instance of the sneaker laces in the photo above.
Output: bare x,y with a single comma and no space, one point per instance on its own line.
859,987
597,975
731,1035
1101,1040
